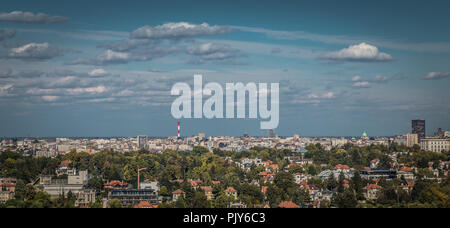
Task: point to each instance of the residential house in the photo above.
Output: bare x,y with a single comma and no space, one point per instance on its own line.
230,191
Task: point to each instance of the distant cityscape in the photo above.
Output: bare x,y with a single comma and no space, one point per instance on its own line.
262,161
52,147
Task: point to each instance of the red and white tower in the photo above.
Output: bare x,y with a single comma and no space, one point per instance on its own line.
179,130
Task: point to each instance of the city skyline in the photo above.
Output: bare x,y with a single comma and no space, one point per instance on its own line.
67,70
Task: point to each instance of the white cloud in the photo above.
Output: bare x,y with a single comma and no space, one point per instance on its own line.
213,52
28,17
327,95
178,30
50,98
89,90
64,81
362,84
110,56
360,52
4,90
98,72
436,75
357,78
35,51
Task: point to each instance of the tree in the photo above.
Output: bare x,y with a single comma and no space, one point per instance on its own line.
284,181
114,203
302,197
345,200
274,195
19,193
332,184
357,185
222,201
340,187
95,183
312,170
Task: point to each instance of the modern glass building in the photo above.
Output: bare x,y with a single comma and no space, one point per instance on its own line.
418,127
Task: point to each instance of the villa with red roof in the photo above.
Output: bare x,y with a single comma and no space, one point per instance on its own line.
177,194
230,191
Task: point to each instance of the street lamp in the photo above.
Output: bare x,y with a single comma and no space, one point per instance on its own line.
138,172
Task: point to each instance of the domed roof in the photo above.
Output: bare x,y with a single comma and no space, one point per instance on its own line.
364,134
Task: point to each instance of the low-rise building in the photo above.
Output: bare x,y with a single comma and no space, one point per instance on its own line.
231,192
435,144
178,194
7,189
370,191
131,197
208,192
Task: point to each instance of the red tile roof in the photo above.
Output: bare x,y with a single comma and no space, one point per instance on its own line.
288,204
341,167
65,163
230,189
372,186
405,169
145,204
206,188
178,192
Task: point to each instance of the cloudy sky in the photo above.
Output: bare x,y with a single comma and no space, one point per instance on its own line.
105,68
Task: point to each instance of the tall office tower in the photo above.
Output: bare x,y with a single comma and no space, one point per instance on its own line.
142,141
418,127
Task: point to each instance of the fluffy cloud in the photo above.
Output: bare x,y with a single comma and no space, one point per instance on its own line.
178,31
50,98
358,81
35,51
362,52
64,81
110,56
328,95
5,34
213,52
98,72
4,90
436,75
68,91
28,17
361,84
143,53
356,78
90,90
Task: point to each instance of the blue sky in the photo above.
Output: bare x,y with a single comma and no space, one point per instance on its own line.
105,68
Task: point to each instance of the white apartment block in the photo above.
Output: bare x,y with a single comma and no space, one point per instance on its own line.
435,144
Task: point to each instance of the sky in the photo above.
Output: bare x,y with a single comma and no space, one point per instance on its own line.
106,68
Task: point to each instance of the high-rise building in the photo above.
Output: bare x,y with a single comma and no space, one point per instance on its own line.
418,127
142,141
